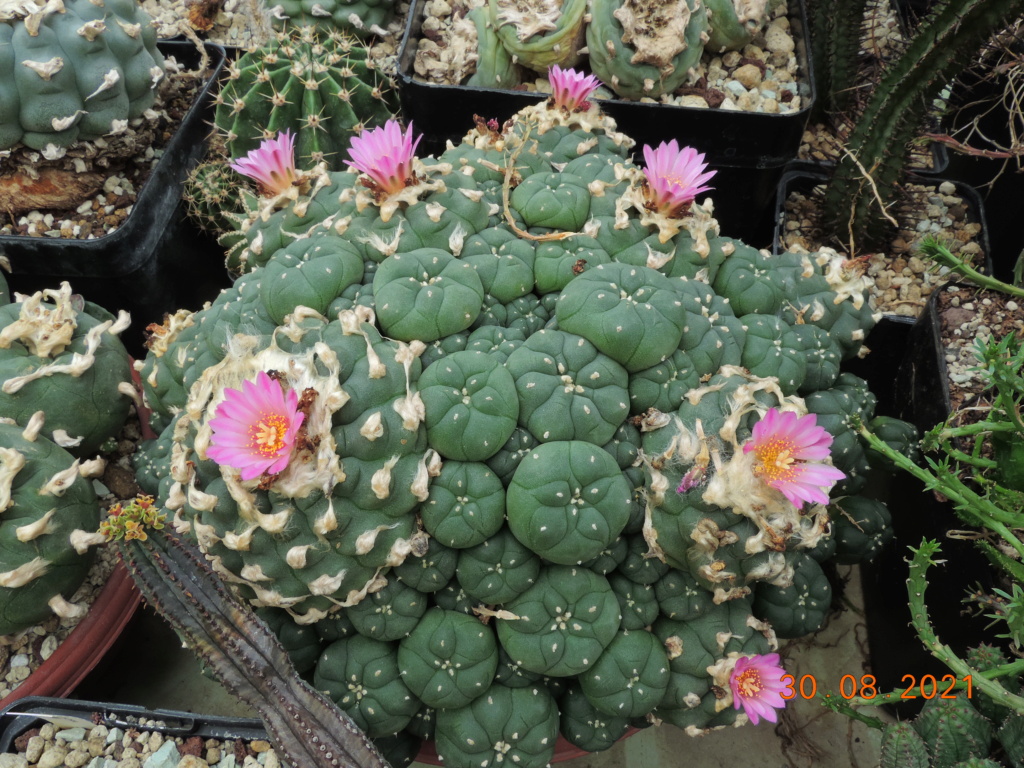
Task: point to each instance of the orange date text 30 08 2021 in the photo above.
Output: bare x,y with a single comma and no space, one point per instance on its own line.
866,687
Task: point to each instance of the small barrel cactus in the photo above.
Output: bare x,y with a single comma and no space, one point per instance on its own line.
62,356
49,515
501,412
321,86
74,70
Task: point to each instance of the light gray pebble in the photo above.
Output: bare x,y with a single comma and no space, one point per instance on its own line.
13,761
71,734
167,756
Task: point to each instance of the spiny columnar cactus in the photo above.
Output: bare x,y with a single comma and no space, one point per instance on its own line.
359,17
528,381
48,518
239,649
321,86
73,70
62,356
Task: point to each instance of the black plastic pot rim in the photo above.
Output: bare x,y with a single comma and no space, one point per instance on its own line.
130,235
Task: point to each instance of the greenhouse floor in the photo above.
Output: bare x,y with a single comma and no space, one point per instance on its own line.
151,669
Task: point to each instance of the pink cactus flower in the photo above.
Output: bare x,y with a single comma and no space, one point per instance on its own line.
790,452
272,165
675,177
570,89
757,686
254,429
385,154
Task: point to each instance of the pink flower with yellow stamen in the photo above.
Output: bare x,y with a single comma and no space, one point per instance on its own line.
272,164
675,177
790,451
570,89
757,687
385,154
254,429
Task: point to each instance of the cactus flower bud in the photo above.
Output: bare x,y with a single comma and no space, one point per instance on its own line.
675,177
272,165
570,89
385,154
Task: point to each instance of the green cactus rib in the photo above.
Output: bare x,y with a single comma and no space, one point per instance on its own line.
941,48
836,30
242,652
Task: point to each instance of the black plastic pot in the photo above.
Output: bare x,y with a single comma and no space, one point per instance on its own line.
156,261
922,390
25,714
749,150
889,339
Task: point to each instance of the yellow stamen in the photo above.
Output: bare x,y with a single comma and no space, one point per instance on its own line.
748,683
776,460
268,433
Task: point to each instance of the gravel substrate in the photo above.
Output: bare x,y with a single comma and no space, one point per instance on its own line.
761,78
50,746
903,281
969,315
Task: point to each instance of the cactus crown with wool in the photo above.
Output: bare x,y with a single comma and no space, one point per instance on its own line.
322,86
62,355
73,70
521,374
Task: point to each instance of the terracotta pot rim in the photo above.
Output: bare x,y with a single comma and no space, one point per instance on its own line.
87,643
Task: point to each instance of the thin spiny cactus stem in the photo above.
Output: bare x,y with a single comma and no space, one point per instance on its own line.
242,652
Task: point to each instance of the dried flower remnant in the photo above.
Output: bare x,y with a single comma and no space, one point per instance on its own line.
790,452
757,687
385,154
570,89
272,164
254,429
674,178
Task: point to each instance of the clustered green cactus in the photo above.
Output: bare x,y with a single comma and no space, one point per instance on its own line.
74,70
518,502
66,389
322,86
638,48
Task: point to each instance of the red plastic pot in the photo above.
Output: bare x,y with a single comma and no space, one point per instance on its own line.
87,643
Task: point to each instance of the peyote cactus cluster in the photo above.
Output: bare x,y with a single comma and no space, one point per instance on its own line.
639,48
520,434
73,70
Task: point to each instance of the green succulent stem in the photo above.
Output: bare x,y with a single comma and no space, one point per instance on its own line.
836,31
939,252
941,47
972,507
923,559
243,653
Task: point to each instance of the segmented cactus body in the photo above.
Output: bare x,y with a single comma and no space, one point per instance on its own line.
62,356
48,520
363,18
521,469
74,70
